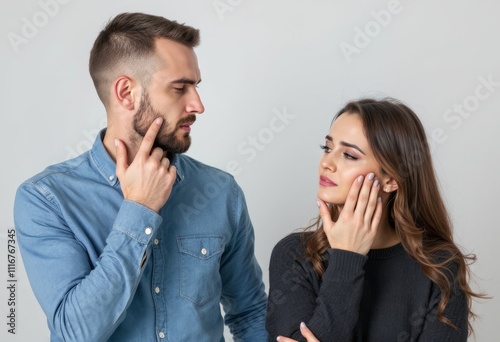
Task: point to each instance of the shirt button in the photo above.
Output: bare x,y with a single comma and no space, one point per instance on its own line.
161,334
157,289
156,241
204,251
111,178
148,231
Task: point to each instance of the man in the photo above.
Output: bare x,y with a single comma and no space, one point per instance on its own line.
133,241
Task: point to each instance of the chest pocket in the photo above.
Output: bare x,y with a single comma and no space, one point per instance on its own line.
200,279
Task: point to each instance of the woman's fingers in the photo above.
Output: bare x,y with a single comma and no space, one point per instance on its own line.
324,213
285,339
368,206
304,330
355,228
353,194
377,215
364,197
371,201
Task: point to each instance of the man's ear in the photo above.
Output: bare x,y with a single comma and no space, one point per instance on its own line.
389,185
126,92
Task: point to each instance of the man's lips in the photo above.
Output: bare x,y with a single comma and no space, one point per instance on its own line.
186,127
327,182
186,122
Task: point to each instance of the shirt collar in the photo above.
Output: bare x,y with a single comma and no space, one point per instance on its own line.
106,166
175,160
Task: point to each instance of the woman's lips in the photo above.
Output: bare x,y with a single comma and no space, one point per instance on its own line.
327,182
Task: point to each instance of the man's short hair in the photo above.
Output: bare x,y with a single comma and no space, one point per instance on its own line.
127,44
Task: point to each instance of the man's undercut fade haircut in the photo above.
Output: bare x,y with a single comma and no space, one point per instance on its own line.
127,44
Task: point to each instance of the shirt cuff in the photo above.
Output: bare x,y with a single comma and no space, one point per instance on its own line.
137,221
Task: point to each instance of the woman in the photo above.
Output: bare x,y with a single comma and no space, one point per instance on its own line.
382,264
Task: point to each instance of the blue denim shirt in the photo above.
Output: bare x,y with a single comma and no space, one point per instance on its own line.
107,269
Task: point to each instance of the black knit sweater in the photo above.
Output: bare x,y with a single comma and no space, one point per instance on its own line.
383,296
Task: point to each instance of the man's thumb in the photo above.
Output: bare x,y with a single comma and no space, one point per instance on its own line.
121,157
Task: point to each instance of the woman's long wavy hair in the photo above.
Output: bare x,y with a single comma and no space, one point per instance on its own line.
416,209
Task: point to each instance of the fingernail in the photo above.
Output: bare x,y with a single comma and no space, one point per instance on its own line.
317,202
159,121
360,179
302,325
278,338
376,184
116,143
379,199
371,175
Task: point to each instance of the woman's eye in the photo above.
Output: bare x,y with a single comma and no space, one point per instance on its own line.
325,148
349,156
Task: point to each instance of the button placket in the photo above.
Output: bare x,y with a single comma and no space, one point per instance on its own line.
157,287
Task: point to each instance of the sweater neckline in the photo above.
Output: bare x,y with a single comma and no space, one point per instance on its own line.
385,253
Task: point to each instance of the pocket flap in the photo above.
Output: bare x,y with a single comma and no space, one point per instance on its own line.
201,246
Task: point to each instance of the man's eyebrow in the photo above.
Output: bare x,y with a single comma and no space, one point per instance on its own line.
344,143
186,81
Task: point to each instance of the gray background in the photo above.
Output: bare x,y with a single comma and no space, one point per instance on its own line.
260,58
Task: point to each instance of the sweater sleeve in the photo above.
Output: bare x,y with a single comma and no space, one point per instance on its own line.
456,311
330,311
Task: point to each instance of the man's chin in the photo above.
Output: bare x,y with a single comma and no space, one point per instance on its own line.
174,147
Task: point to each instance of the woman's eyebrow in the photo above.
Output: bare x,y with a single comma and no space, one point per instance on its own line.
344,143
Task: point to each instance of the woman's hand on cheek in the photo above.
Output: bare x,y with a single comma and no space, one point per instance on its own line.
358,221
304,330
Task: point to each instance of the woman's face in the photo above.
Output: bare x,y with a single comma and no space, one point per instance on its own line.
346,156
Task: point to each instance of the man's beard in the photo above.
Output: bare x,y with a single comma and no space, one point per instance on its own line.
167,141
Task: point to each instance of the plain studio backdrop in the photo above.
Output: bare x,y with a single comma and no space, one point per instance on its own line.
274,73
